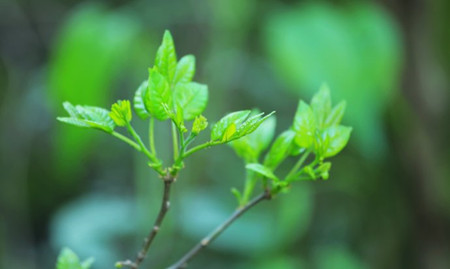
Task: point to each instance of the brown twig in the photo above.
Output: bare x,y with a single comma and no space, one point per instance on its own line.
182,263
165,205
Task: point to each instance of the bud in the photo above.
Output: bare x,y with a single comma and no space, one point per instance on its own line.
121,112
200,124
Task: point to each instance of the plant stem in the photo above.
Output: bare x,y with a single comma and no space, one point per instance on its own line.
298,165
214,234
126,140
200,147
165,205
174,141
151,135
143,148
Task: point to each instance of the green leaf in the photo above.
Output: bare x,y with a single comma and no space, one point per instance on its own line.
185,70
139,106
74,121
166,58
236,118
88,117
337,137
250,147
321,105
280,149
251,124
192,98
200,124
158,98
262,170
121,112
336,115
67,259
304,125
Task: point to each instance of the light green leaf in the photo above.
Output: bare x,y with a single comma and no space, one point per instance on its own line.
200,124
262,170
218,129
192,98
280,149
158,98
88,117
321,105
250,147
121,112
166,58
74,121
185,70
337,137
251,124
139,106
304,125
67,259
336,115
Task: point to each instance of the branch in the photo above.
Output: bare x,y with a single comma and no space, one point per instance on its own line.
182,263
165,205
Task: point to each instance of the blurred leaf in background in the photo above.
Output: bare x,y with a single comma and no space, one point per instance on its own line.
354,48
89,54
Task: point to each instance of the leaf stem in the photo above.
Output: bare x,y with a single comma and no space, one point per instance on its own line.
200,147
218,231
165,205
156,163
126,140
297,165
151,135
174,141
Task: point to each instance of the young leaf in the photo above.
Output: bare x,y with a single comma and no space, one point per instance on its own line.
229,132
262,170
323,170
139,106
200,124
121,112
280,149
304,125
237,194
185,70
321,105
192,98
88,117
251,124
158,98
335,116
337,137
67,259
166,58
250,147
218,129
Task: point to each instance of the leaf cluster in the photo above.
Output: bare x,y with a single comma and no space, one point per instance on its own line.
316,129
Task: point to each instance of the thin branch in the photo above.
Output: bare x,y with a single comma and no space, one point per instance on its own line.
165,205
214,234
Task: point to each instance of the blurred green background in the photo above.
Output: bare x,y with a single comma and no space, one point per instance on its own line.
386,205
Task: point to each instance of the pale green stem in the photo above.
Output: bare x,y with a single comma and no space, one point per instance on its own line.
298,165
144,149
126,140
174,141
151,136
200,147
250,182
